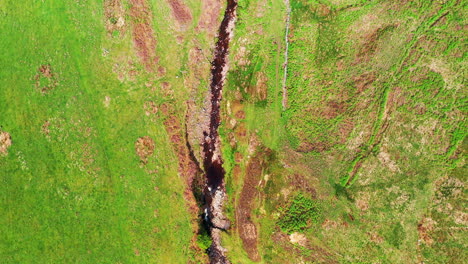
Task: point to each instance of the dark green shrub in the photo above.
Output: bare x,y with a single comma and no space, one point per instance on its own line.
301,214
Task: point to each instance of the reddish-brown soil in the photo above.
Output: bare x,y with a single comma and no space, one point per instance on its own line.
46,71
45,79
45,128
180,11
246,228
209,17
144,147
300,182
188,168
424,229
143,34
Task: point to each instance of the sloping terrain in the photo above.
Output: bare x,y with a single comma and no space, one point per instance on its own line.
340,129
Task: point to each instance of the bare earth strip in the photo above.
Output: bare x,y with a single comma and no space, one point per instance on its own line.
143,33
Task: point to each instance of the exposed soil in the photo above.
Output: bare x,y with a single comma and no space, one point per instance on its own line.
246,228
424,229
209,17
298,238
189,169
180,11
45,80
45,128
143,34
144,147
5,143
318,254
370,44
332,109
114,13
46,71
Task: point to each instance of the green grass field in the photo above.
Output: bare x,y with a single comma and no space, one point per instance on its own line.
77,192
367,163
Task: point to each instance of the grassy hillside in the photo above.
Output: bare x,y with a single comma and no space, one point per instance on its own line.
73,98
373,132
364,164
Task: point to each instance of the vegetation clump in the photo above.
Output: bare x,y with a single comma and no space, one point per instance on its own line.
301,214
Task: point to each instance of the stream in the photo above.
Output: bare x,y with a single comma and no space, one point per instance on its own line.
214,191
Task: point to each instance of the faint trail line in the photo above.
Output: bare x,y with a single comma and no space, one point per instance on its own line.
285,64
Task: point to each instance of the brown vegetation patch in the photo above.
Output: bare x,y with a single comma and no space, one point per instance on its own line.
5,143
345,129
143,34
395,99
364,81
300,182
150,108
180,11
240,114
114,13
317,146
332,109
161,71
45,79
368,48
209,17
144,147
45,128
317,254
188,167
375,237
370,44
424,228
260,89
247,229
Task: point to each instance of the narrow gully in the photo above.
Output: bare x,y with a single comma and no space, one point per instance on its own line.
214,191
